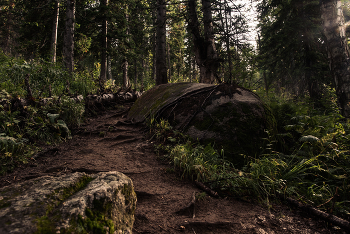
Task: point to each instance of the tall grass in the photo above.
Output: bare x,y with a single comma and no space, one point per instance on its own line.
307,159
44,77
24,127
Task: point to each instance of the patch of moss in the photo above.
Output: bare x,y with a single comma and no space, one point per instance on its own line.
46,224
4,204
96,220
99,219
152,100
130,197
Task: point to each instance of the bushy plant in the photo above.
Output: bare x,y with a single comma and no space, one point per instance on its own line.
84,82
315,170
20,130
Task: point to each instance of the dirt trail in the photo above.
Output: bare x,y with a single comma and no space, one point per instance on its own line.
106,144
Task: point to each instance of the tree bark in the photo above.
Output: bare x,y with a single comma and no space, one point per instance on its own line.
169,61
204,46
338,51
9,29
68,43
109,68
54,31
135,74
227,41
126,81
103,72
143,73
161,69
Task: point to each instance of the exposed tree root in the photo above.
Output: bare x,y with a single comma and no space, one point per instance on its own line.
321,214
190,207
125,141
117,138
206,189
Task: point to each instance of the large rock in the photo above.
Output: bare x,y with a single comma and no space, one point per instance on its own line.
231,117
71,203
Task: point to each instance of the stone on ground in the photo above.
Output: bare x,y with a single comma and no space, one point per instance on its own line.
71,203
229,117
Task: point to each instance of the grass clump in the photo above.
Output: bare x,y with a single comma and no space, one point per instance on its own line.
307,158
25,126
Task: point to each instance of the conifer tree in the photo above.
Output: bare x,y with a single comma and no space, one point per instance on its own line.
291,48
338,50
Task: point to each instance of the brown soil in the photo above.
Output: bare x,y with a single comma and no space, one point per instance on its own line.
105,143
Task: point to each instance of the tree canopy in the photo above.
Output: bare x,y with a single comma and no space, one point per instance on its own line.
148,41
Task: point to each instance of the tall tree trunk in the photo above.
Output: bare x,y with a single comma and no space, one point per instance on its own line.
9,29
109,68
169,61
338,51
228,47
54,31
126,81
143,73
103,72
68,43
204,46
161,70
135,73
194,70
264,71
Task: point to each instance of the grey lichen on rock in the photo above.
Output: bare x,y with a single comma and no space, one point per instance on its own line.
71,203
150,102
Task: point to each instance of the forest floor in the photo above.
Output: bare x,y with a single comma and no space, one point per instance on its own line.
105,143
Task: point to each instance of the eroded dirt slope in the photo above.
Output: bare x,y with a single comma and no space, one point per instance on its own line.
105,143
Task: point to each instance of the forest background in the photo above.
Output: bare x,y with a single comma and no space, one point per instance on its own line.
299,67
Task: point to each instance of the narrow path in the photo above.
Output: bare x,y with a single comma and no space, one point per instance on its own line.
105,143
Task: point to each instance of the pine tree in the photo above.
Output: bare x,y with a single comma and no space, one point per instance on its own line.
161,69
338,50
204,42
291,48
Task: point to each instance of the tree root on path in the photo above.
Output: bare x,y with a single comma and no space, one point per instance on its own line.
207,189
125,141
189,207
321,214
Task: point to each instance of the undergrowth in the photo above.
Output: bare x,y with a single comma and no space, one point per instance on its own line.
23,127
307,159
22,130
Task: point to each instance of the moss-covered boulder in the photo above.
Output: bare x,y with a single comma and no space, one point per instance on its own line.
227,116
72,203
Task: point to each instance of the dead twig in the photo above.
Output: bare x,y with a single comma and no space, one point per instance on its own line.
321,214
190,206
206,189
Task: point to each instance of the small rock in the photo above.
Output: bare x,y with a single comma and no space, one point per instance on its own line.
65,203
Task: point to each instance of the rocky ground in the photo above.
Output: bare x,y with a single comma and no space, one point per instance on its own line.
106,143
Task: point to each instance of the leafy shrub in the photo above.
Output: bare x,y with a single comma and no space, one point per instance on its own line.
315,172
44,77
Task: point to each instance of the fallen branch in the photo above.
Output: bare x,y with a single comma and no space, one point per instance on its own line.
321,214
206,189
125,141
190,206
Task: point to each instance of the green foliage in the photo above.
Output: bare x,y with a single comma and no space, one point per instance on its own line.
84,82
41,74
307,159
45,78
23,126
19,131
292,52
